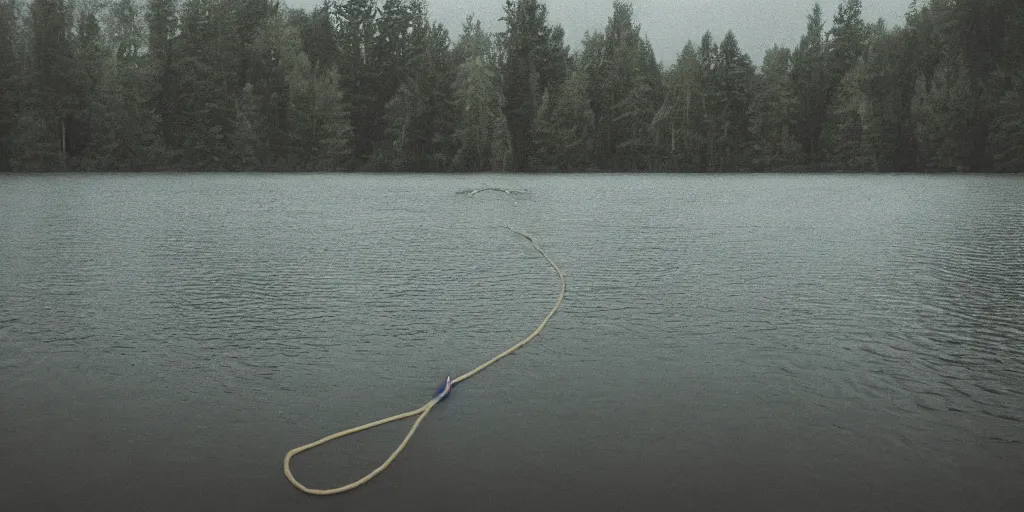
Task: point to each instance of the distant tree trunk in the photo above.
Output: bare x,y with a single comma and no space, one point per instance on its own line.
63,143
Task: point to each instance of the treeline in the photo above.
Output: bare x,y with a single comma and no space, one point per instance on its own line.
374,85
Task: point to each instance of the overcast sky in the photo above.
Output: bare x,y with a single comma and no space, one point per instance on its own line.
758,24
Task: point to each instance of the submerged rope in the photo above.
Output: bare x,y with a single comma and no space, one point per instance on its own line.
425,408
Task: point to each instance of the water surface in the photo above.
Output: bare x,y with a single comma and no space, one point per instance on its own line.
727,342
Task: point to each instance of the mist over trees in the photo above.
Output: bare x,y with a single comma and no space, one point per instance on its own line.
375,85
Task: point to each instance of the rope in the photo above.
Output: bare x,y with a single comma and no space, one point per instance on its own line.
425,408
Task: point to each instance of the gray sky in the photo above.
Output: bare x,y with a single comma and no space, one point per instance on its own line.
758,24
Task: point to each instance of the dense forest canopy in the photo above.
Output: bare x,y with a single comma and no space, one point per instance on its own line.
374,85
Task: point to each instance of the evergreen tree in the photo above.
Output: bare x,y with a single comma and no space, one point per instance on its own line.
316,129
847,41
320,129
811,84
87,119
10,81
942,117
1006,138
247,136
205,77
265,94
774,106
681,118
572,123
420,116
732,81
477,100
371,58
844,128
889,86
52,98
842,131
625,91
533,62
162,23
707,122
319,36
126,138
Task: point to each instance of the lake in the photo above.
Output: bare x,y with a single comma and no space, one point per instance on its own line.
727,342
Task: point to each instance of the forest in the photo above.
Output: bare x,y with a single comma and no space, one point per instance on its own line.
376,86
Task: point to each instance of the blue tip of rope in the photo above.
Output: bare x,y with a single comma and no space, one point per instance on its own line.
445,389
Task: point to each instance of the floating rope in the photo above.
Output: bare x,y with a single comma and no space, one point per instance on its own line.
423,410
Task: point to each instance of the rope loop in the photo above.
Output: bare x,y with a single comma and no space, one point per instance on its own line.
423,410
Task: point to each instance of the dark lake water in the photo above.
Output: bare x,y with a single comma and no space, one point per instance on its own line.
726,343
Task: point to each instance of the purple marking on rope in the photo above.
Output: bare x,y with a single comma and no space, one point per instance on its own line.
445,389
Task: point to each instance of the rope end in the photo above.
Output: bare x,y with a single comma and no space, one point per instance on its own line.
445,389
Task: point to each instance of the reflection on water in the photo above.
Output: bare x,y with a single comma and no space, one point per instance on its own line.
798,342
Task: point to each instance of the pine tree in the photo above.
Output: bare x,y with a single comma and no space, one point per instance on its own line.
708,121
889,87
126,136
774,106
477,99
533,62
942,116
843,134
847,41
842,131
87,120
625,90
246,142
420,116
810,84
733,76
369,74
572,122
162,24
203,100
52,85
1007,135
319,132
268,97
521,39
319,36
10,81
682,115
